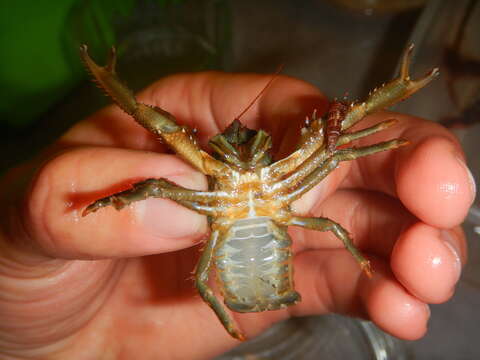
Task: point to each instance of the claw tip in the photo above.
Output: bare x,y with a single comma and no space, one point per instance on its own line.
89,209
367,269
241,337
391,121
434,72
403,142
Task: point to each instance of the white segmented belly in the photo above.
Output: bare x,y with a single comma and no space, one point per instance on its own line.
254,264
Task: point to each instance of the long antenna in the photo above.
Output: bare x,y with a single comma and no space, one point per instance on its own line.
279,69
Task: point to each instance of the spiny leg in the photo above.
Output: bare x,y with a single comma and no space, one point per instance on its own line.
319,157
201,283
315,159
318,174
309,156
349,137
389,93
154,119
325,224
160,188
312,138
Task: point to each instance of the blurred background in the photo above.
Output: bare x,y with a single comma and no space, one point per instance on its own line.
338,45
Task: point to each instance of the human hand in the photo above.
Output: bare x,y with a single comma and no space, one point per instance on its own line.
115,284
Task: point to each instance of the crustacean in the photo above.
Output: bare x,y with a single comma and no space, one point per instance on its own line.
248,202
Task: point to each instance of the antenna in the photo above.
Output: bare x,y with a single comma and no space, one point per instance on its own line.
279,69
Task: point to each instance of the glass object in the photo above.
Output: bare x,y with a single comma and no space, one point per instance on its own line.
330,336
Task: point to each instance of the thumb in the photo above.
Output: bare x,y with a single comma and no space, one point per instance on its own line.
65,185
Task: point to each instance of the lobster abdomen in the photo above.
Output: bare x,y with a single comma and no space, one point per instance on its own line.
254,266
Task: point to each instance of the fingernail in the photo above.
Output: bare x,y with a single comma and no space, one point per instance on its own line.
450,242
428,311
471,179
165,219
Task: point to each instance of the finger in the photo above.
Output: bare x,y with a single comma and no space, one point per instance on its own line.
72,180
429,176
392,308
331,281
208,102
428,261
374,221
444,197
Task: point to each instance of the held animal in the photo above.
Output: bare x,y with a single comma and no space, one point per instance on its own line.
248,202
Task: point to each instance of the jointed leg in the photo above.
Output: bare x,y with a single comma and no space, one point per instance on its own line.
324,224
201,283
318,158
312,138
161,188
389,93
154,119
349,137
331,163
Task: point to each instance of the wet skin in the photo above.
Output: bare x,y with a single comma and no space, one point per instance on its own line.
402,208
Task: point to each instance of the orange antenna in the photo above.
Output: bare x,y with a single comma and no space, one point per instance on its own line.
279,69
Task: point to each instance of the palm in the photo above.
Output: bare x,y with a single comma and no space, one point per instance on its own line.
146,304
162,307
